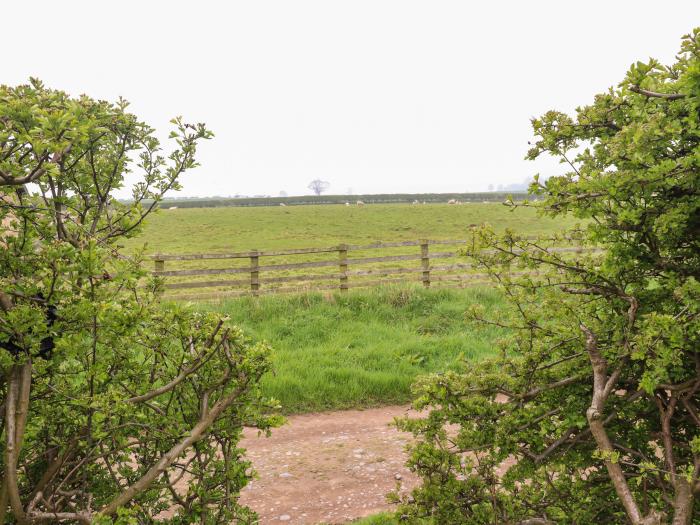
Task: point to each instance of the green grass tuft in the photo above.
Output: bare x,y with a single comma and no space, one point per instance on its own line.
384,518
364,348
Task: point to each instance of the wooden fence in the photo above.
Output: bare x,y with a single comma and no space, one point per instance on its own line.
351,266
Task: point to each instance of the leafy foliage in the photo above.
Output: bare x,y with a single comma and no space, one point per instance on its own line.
116,407
590,414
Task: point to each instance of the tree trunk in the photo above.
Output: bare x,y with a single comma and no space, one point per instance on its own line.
16,410
683,504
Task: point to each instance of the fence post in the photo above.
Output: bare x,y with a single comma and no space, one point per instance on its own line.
343,264
254,272
425,262
159,264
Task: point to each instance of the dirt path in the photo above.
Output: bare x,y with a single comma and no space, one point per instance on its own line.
327,468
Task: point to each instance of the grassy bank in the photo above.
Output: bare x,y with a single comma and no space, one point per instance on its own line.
364,348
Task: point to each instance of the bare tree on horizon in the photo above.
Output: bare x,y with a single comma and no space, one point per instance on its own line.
318,186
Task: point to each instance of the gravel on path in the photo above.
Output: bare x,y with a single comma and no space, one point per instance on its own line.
330,467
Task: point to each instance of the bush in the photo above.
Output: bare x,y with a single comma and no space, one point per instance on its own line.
590,414
116,407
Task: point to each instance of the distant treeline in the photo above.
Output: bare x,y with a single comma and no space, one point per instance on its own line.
382,198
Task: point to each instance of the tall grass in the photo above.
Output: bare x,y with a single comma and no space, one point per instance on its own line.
364,348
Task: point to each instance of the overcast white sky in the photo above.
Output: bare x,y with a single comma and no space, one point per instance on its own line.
372,95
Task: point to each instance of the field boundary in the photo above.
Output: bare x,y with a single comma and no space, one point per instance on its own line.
341,273
494,197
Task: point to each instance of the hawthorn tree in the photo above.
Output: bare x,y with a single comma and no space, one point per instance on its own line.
116,407
591,411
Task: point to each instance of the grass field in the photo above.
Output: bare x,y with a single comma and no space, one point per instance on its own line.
225,230
360,349
266,228
365,348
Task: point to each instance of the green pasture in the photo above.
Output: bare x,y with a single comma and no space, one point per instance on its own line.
225,230
360,349
364,348
197,230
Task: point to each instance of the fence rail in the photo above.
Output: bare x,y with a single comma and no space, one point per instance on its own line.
354,266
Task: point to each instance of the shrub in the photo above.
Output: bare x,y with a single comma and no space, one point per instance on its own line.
590,414
116,407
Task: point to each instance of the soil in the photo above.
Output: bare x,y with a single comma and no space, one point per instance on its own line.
330,467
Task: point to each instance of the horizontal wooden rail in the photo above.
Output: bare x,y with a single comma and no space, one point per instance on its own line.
245,293
206,284
383,271
239,255
246,269
294,266
302,278
465,283
386,258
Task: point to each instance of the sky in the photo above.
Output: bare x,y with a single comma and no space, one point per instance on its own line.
373,96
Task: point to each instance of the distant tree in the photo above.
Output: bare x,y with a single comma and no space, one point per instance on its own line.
283,193
591,411
491,188
109,397
318,186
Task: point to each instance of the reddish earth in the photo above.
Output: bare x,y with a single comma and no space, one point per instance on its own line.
327,468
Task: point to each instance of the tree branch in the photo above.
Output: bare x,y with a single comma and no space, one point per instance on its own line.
594,414
197,433
197,363
654,94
